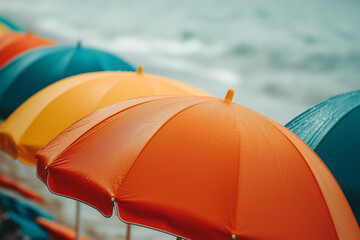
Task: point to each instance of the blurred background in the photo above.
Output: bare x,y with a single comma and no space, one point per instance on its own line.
280,57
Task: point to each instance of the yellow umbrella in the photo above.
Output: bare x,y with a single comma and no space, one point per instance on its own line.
4,28
51,110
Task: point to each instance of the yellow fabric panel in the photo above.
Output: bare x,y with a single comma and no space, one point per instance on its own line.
51,110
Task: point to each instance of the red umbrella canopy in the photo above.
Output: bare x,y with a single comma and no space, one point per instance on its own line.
14,43
198,168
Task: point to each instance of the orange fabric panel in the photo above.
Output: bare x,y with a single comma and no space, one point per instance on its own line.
13,44
336,201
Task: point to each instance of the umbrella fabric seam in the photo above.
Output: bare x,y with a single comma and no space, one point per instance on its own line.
317,107
336,123
322,194
73,142
54,98
306,113
62,195
142,225
116,82
153,135
17,76
151,83
239,172
68,62
14,57
47,105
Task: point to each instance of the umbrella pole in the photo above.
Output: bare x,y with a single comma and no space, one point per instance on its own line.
78,220
128,231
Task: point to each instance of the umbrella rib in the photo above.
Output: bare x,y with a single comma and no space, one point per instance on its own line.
123,63
110,116
337,123
18,76
158,130
113,86
313,175
311,112
239,172
68,64
306,114
59,94
149,80
100,64
319,134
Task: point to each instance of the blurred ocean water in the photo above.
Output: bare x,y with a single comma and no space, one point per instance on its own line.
280,56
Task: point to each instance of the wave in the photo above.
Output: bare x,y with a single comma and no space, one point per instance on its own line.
177,47
198,71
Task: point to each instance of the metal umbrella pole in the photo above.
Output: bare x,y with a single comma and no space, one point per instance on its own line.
78,220
128,231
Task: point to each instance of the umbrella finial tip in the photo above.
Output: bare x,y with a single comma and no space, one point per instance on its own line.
140,69
229,95
233,236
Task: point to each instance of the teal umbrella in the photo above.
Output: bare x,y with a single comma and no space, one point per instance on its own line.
332,130
24,215
38,68
13,26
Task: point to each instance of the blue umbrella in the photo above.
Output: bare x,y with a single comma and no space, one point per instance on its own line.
24,214
11,25
38,68
332,130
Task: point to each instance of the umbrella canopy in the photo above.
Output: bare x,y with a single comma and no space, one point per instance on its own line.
57,231
12,44
10,25
24,215
7,183
198,168
332,129
4,28
51,110
36,69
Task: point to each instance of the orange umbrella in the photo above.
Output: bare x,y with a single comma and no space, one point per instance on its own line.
15,43
198,168
7,183
57,231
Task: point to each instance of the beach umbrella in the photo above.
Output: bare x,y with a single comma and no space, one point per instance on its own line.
8,25
50,111
197,168
4,28
331,128
36,69
24,215
9,184
53,109
56,230
14,43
